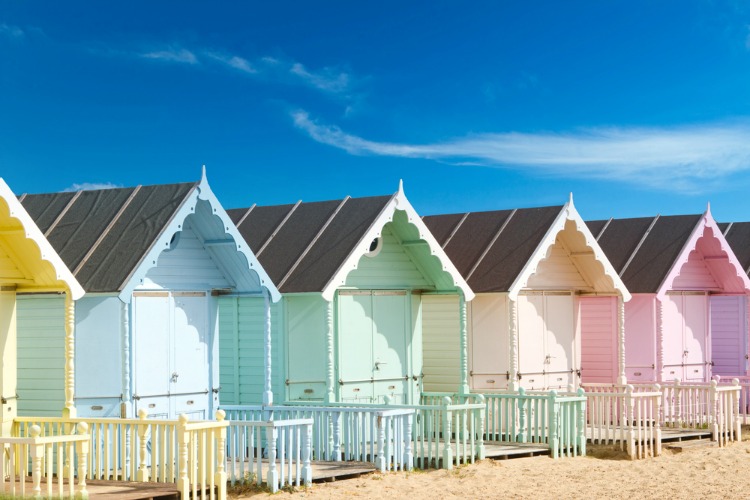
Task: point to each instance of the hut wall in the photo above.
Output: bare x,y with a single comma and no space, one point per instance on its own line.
729,335
599,339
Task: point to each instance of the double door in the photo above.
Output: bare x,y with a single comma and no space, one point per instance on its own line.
547,351
171,354
374,337
685,337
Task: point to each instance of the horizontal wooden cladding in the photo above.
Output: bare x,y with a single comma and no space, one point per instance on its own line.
372,292
166,294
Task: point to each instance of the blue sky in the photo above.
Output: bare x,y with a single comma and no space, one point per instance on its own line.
637,107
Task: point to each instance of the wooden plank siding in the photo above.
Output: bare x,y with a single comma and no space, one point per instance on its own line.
599,339
729,334
440,326
41,355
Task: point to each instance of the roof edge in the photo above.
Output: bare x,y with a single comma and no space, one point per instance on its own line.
397,202
568,212
46,252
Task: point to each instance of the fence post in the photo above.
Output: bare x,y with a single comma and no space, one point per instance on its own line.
220,478
581,405
677,405
37,455
380,427
408,452
336,436
736,420
715,410
183,442
521,436
142,474
447,450
630,422
554,432
657,424
306,455
480,435
273,473
82,450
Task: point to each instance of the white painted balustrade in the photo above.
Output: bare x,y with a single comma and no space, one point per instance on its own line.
51,461
189,453
286,445
628,418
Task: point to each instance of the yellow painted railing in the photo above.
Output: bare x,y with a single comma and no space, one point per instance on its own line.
191,454
52,458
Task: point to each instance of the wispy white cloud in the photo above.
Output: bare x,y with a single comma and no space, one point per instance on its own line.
10,31
328,79
172,54
90,186
686,158
235,62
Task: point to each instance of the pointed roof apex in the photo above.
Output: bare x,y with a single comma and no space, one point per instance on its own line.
570,199
203,174
708,208
401,186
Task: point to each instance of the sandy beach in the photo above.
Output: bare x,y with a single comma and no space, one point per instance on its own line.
700,472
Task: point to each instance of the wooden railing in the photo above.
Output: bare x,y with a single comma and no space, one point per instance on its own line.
626,417
549,418
188,453
744,402
393,437
286,441
53,458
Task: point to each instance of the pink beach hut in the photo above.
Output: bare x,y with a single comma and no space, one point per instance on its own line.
545,315
735,361
687,319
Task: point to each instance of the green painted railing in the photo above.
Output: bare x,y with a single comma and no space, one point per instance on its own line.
548,418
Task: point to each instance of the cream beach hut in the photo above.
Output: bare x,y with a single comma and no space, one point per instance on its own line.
546,311
689,296
153,261
29,265
354,274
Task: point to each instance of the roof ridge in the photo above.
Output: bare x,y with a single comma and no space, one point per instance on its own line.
313,241
640,243
106,230
278,228
492,242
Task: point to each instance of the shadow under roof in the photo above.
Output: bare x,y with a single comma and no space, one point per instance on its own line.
738,238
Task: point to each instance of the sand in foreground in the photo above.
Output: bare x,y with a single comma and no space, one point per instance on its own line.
693,473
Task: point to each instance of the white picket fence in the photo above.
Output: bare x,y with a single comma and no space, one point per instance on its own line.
51,462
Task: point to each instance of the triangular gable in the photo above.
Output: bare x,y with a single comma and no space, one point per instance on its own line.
23,241
592,253
398,202
717,255
220,237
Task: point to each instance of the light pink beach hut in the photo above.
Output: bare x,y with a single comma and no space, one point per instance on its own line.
687,319
545,315
731,355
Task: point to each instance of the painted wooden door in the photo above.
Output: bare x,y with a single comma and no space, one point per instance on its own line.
729,335
170,361
685,337
640,338
546,340
373,345
599,339
489,342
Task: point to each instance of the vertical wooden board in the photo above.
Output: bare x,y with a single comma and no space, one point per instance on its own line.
599,338
355,341
306,343
9,358
559,319
99,375
152,358
531,341
640,338
41,355
189,379
416,350
490,342
728,334
441,343
390,345
674,337
228,350
696,339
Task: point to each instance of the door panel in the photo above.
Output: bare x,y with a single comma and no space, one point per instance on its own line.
390,362
151,317
599,339
673,346
531,348
695,340
728,335
189,377
560,358
355,346
489,342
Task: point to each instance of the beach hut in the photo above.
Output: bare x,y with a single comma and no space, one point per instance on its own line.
546,311
354,274
152,260
29,265
731,353
688,316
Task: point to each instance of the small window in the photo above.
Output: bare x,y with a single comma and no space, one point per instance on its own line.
375,246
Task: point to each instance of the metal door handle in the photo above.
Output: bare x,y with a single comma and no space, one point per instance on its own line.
174,376
378,363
